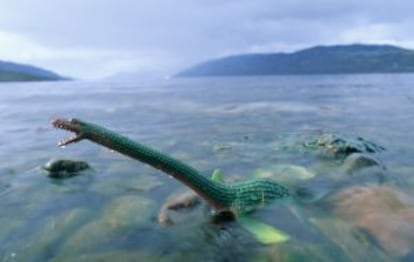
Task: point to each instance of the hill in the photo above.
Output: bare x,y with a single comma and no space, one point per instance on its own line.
357,58
19,72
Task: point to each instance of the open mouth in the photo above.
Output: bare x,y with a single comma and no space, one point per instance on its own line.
70,125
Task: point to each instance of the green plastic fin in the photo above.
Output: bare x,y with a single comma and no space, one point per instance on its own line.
217,176
264,233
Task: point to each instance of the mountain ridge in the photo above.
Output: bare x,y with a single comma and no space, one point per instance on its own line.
12,72
336,59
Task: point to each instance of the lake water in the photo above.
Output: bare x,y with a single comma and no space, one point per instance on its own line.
245,126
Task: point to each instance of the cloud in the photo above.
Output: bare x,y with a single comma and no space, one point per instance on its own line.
75,61
95,38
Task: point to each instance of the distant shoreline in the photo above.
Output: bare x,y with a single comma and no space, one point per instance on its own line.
342,59
14,72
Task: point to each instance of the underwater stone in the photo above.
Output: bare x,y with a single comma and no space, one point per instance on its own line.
129,210
340,146
357,161
124,215
285,173
46,235
383,211
63,168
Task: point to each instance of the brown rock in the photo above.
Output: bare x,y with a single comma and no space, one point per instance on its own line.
385,212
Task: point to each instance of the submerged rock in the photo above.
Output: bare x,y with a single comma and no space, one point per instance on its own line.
354,244
128,210
340,146
357,161
358,164
384,212
285,173
109,255
46,236
124,216
63,168
185,200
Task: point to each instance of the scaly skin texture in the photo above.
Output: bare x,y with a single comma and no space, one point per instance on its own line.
239,197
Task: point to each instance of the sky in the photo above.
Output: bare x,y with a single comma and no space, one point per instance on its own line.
92,39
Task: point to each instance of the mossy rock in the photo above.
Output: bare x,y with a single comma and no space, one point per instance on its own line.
340,146
64,168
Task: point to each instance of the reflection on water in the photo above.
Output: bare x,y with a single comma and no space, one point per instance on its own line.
245,126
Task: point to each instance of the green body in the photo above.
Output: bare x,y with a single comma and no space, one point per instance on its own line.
238,197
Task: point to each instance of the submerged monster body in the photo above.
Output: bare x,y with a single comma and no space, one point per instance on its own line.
239,197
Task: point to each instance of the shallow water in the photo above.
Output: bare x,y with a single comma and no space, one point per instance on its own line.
244,126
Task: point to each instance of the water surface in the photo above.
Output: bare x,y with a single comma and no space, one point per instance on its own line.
244,126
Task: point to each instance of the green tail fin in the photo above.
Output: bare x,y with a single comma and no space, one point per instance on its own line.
264,233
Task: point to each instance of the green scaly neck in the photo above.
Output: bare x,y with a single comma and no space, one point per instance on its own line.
212,191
